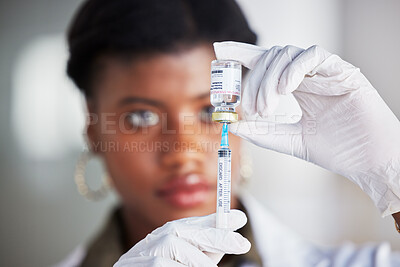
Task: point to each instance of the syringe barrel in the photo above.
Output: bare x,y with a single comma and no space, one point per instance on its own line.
223,187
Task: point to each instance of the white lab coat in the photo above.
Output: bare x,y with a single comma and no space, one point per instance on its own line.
278,246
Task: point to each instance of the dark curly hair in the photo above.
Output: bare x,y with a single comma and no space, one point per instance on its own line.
137,27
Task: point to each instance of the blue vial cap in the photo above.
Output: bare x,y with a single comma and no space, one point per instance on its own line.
224,135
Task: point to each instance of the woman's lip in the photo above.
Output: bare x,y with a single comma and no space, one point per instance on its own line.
185,191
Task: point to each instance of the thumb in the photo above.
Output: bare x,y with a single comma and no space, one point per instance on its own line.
281,137
247,54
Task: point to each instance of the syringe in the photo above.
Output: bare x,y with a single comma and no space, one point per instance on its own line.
225,93
224,180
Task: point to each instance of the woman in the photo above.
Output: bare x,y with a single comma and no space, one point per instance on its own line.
144,69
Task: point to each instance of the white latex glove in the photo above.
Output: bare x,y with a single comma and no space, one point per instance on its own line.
345,127
188,242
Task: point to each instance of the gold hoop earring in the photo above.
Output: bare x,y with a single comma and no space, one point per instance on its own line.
246,167
80,181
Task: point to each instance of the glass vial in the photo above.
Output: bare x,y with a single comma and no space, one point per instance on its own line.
226,79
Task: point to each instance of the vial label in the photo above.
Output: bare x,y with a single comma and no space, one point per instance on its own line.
226,81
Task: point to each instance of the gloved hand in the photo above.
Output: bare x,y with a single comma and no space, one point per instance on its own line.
188,242
345,126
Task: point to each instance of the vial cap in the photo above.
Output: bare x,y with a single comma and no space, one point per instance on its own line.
225,117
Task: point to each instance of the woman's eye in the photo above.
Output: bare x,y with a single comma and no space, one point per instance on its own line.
143,118
206,113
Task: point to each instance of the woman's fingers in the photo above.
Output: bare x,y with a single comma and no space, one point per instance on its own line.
283,138
218,241
201,233
304,64
145,261
168,248
251,92
260,93
194,240
282,70
253,57
268,95
247,54
237,219
325,73
179,250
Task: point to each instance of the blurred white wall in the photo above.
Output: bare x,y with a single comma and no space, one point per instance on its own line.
43,217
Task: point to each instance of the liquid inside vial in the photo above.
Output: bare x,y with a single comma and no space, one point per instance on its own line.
226,79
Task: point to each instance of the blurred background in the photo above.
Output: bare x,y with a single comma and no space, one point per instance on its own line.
43,217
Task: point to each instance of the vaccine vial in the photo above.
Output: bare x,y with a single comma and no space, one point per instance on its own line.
226,79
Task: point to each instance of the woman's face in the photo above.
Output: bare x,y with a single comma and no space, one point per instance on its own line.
152,126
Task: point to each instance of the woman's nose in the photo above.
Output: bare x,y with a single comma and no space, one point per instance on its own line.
187,144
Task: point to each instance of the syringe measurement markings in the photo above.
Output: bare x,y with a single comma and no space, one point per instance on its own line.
224,181
224,192
226,185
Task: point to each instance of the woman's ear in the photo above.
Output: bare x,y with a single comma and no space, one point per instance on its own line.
92,120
